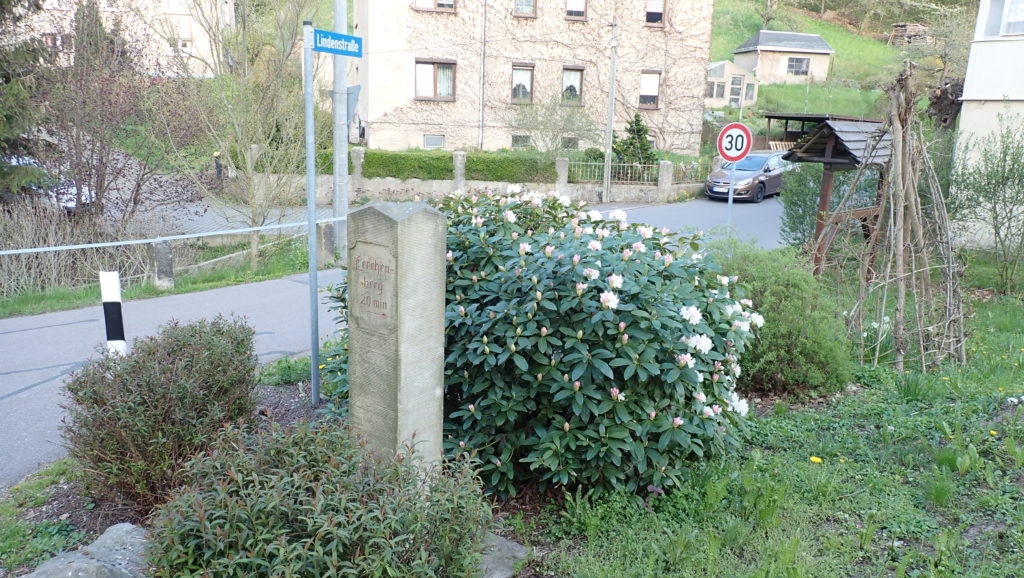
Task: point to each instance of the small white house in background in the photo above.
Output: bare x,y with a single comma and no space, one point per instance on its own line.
729,85
991,88
785,57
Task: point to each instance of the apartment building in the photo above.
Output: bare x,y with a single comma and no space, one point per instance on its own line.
449,74
168,33
991,90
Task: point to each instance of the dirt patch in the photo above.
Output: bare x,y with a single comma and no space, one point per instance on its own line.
70,501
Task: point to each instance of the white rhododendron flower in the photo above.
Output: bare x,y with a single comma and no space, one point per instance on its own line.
691,315
594,215
609,300
618,215
615,281
738,404
757,319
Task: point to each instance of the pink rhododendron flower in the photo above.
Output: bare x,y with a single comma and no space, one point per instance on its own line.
549,250
591,273
699,396
645,232
708,412
580,287
717,409
509,216
515,235
614,392
685,359
615,281
594,245
525,248
626,254
602,233
668,259
677,421
576,260
639,247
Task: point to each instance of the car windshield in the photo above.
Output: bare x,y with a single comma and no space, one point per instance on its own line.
751,163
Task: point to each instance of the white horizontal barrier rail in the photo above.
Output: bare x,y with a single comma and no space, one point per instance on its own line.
301,224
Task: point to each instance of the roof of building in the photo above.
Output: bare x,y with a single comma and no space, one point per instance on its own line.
774,41
857,142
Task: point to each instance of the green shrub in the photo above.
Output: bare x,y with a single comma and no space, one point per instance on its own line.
312,501
284,371
804,344
570,359
134,420
510,168
801,188
427,165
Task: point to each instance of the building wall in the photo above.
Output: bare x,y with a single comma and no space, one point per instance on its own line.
991,95
166,32
396,34
771,67
726,74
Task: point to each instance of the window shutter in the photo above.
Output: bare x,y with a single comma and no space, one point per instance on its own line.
649,84
575,5
655,5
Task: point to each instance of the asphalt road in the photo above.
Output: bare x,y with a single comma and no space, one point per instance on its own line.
38,352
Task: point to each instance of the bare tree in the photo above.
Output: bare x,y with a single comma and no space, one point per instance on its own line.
99,106
251,108
549,123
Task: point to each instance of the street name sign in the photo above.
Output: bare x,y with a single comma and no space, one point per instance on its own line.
334,43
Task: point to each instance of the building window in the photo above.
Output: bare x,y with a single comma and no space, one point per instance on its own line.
433,141
435,80
650,85
709,90
655,12
719,90
572,85
180,46
735,90
57,42
525,8
521,141
1013,17
576,9
442,5
570,143
751,92
522,84
798,66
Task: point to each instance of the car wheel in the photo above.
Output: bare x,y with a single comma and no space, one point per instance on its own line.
759,193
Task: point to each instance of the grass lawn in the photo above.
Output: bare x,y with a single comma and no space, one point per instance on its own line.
908,475
276,261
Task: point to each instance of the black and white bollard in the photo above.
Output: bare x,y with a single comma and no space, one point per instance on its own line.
110,291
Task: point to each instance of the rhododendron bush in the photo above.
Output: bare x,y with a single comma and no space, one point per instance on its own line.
582,350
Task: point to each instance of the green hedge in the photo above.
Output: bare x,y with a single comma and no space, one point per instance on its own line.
510,168
515,167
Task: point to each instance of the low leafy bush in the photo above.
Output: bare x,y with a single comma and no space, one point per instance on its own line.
427,165
804,346
312,501
510,168
585,351
132,421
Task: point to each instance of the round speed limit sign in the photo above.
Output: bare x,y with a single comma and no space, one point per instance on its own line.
734,142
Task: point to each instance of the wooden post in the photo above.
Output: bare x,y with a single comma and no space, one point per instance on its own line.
824,202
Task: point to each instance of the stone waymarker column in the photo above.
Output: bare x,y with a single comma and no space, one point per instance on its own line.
396,282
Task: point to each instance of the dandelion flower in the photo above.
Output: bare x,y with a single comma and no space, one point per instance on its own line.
816,459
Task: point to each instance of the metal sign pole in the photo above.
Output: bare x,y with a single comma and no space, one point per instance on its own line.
314,320
732,189
341,127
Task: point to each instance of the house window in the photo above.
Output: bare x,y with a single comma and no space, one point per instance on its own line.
576,9
522,84
435,80
572,85
751,92
57,42
655,12
798,66
735,90
570,143
521,141
525,8
443,5
433,141
1013,17
719,90
650,85
180,45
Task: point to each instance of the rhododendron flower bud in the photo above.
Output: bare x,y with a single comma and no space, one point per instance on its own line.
539,295
515,235
652,414
699,396
462,311
565,426
622,325
462,444
614,391
668,259
708,412
548,250
625,337
579,288
448,255
579,334
575,386
677,421
717,409
540,376
472,408
626,254
575,259
543,331
524,248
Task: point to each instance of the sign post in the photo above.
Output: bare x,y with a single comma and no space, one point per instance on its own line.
734,143
334,43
